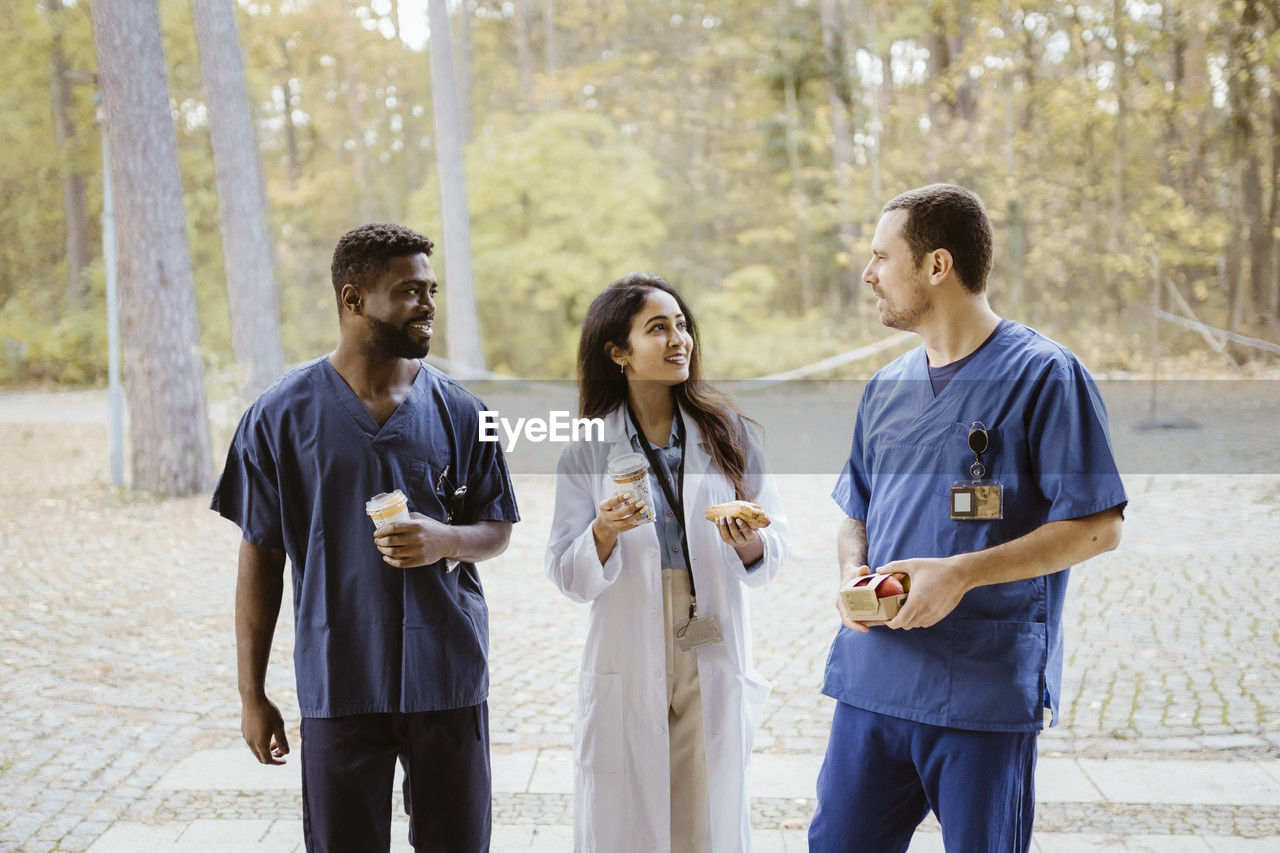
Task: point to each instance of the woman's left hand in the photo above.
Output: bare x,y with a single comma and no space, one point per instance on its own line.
737,532
743,537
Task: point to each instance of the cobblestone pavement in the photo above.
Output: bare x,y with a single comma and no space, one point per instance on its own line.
118,655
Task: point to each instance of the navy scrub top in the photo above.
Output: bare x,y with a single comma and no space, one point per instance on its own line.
995,662
368,637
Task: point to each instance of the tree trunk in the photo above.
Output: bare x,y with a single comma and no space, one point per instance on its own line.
953,94
1013,209
164,380
799,203
550,59
290,129
242,202
942,107
524,53
75,213
1250,227
393,16
839,97
1116,233
350,87
464,69
1260,240
879,96
1273,211
460,314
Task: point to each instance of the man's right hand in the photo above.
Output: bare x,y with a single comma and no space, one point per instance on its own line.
845,577
263,729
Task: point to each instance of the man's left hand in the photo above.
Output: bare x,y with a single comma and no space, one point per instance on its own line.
420,541
937,585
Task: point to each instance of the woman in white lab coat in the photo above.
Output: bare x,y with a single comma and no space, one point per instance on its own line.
663,733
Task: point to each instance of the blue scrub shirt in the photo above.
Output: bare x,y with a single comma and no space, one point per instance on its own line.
995,662
369,637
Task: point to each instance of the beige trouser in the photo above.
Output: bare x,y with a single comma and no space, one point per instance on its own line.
684,724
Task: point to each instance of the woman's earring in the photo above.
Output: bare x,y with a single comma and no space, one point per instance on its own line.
622,368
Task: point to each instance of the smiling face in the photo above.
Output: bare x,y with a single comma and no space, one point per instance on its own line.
400,306
659,346
900,284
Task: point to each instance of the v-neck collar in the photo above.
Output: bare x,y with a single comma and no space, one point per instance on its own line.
363,419
920,367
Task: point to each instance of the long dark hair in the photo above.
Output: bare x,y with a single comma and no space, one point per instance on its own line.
603,388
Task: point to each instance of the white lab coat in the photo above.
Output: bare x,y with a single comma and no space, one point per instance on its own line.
620,748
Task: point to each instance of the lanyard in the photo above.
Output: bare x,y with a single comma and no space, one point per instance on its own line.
674,499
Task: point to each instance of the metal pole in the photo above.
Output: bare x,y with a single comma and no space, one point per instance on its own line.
115,397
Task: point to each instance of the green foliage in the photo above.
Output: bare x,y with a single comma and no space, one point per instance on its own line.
39,344
560,206
663,136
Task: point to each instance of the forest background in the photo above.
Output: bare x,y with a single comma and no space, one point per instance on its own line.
741,149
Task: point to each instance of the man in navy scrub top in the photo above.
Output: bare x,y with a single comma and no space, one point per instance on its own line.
391,629
981,469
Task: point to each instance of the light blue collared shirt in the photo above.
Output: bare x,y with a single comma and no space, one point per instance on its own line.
669,459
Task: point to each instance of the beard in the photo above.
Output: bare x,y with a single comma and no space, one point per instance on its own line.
395,341
908,316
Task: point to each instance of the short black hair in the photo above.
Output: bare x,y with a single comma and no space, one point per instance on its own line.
944,216
364,253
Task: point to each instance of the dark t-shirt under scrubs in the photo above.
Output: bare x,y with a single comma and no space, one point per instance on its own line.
369,638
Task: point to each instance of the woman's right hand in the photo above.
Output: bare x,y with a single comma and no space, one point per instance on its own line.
617,514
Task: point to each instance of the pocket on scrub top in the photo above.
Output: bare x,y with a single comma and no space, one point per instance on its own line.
996,671
423,496
597,733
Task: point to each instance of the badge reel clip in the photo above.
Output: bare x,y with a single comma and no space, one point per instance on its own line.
979,498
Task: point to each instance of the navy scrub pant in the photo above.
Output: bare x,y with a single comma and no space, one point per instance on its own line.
348,768
882,775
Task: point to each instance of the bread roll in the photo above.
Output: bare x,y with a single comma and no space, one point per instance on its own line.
750,513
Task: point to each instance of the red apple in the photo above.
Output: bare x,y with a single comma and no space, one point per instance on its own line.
889,586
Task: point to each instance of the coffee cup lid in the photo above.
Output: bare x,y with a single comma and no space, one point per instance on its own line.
384,499
628,463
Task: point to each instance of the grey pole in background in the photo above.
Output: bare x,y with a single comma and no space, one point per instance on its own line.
115,396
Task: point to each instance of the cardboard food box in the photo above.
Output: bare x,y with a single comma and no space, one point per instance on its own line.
867,603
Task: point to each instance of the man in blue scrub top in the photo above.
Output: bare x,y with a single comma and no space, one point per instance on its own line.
939,708
391,629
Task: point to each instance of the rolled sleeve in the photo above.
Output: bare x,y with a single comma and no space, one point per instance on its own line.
490,495
248,492
1074,466
852,491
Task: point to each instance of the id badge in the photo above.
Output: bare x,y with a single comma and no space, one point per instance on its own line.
977,500
699,632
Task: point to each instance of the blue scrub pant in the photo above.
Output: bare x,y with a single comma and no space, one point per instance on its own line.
348,768
882,775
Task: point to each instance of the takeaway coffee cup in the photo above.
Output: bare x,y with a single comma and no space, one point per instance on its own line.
630,472
387,508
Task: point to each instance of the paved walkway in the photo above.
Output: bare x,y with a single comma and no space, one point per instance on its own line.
121,732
